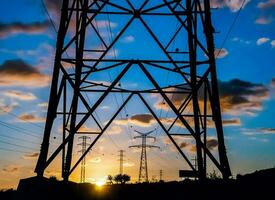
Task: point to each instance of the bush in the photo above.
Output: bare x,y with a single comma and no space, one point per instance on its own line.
122,178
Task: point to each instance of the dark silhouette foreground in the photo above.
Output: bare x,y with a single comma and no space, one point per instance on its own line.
258,185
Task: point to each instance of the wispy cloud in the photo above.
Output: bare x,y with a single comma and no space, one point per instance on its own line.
221,53
43,105
95,160
7,30
114,130
264,20
31,156
11,169
266,4
237,39
24,96
128,164
43,49
232,122
128,39
258,131
233,5
262,40
6,108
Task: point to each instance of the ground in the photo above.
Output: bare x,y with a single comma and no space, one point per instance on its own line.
258,185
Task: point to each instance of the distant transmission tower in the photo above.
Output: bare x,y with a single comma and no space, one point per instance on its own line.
83,145
160,175
84,53
121,159
143,168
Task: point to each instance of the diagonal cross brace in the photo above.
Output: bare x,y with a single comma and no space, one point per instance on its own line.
200,143
83,120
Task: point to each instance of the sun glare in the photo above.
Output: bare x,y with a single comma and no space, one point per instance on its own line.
100,183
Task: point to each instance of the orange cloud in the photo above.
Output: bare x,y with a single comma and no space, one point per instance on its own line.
144,120
30,118
232,122
221,53
18,73
6,108
31,156
24,96
115,130
237,97
10,169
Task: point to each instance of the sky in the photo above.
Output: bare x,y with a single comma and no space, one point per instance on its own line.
246,74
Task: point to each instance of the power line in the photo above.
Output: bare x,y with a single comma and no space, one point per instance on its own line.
231,27
14,150
49,16
114,96
166,81
21,130
17,145
19,139
18,117
55,29
18,129
129,133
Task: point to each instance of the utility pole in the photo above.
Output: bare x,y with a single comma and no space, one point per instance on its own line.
143,168
121,159
83,145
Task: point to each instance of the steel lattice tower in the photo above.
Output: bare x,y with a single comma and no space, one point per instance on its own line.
83,145
121,159
143,167
76,63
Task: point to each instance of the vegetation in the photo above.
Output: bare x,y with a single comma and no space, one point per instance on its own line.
122,178
109,179
214,175
53,178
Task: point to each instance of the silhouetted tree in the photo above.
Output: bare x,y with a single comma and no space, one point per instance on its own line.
122,178
126,178
53,178
213,175
110,179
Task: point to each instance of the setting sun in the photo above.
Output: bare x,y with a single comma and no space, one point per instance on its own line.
100,183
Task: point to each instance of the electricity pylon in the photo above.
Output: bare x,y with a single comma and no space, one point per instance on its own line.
83,145
160,175
78,64
121,159
143,167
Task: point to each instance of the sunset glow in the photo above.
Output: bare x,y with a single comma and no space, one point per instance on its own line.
245,58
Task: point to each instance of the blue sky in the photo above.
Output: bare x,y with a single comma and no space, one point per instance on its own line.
245,69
